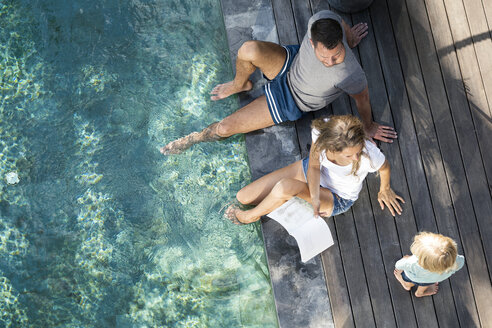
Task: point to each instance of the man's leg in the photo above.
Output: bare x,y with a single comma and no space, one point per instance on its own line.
267,56
251,117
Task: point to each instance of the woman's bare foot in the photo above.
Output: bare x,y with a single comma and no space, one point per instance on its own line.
238,216
406,285
179,145
224,90
427,290
231,214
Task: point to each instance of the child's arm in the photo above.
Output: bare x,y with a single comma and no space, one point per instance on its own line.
402,263
386,195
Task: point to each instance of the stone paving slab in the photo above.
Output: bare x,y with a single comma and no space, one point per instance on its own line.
300,291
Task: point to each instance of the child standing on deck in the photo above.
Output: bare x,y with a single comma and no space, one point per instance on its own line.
434,259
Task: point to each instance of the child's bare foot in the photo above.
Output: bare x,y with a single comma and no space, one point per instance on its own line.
427,290
405,284
179,145
224,90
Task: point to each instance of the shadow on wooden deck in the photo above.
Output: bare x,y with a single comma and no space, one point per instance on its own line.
428,68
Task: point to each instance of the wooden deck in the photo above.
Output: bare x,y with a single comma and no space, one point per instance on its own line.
429,68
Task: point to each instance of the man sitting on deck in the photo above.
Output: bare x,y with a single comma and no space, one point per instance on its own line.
300,79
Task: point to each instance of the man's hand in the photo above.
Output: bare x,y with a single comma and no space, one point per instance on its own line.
381,132
356,34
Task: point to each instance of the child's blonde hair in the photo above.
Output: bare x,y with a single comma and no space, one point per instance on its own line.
435,252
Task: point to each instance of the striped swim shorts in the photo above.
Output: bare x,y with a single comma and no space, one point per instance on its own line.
281,104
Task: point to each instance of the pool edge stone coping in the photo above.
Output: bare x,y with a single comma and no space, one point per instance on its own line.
300,291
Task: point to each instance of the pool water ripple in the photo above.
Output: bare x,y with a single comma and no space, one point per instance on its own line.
102,230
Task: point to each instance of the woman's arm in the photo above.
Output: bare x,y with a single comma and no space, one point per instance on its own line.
386,195
313,177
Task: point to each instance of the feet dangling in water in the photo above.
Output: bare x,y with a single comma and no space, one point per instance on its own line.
224,90
179,145
231,214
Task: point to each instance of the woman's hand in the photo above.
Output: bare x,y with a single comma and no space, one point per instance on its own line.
390,199
316,209
316,206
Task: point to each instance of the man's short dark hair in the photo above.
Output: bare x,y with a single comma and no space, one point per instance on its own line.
327,31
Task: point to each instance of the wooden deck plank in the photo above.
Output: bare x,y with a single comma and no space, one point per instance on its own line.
407,89
335,279
284,20
473,60
373,261
453,167
302,13
353,262
387,232
378,284
471,159
427,138
482,43
351,253
335,274
379,299
487,6
353,266
410,174
299,288
340,300
288,35
476,67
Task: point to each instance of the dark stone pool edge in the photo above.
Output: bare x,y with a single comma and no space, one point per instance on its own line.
301,296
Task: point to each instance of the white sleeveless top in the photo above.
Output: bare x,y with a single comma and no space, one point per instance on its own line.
339,179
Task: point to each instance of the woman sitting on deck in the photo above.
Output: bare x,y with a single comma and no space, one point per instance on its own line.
330,178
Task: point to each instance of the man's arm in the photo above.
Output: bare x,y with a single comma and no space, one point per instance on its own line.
373,129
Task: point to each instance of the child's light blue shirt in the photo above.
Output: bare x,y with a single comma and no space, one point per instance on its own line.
416,273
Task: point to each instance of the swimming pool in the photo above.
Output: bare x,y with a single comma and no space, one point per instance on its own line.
102,230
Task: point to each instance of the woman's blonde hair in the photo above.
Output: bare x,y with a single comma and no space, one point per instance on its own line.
435,252
339,132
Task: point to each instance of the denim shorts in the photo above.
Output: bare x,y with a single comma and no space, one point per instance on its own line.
404,276
340,205
281,104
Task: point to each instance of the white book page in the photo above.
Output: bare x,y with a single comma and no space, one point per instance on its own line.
312,234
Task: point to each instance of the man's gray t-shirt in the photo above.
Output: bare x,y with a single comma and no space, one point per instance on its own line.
313,85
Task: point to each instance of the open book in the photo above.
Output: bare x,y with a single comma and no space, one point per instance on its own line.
312,234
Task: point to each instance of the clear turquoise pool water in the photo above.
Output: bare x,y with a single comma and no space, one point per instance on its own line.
102,230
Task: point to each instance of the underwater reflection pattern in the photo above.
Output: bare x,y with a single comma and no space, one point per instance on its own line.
101,229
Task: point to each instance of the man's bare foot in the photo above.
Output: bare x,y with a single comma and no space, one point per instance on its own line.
224,90
427,290
179,145
406,285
